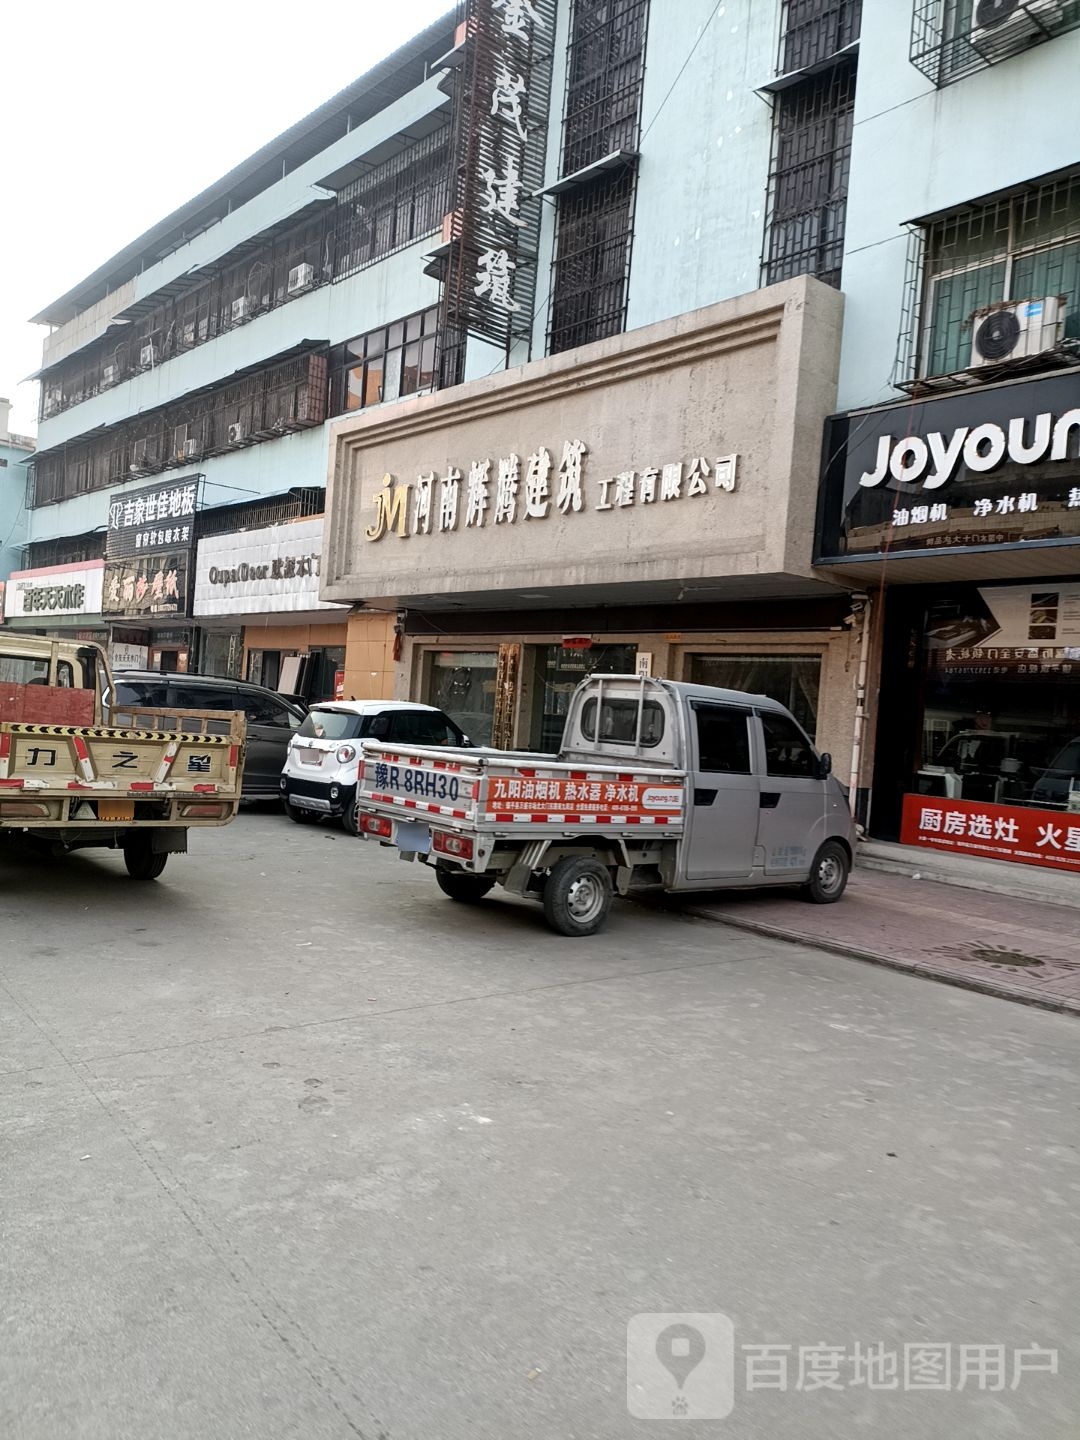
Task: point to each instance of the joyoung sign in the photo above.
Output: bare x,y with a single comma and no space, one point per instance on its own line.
995,465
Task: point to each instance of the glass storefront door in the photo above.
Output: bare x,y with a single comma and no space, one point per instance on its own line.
462,683
999,717
557,674
793,680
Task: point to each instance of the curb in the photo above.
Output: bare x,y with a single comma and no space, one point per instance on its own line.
927,971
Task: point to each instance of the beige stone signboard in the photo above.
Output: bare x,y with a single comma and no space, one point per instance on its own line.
682,452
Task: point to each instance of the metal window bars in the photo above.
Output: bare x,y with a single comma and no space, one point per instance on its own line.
252,408
812,31
401,200
298,504
1016,249
951,39
605,71
67,550
592,261
808,177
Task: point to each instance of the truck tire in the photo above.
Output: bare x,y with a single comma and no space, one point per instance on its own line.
142,862
577,896
467,889
828,874
302,817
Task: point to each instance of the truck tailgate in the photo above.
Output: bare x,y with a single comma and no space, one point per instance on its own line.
495,790
119,767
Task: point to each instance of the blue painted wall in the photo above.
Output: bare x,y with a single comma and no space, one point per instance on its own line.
918,150
13,513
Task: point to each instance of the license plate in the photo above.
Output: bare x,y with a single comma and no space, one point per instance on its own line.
310,757
410,836
116,809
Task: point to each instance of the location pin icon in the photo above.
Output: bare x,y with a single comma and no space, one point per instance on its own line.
680,1349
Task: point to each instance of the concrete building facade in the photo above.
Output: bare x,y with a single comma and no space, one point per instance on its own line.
951,477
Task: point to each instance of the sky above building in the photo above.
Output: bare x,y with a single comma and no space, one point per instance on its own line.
115,114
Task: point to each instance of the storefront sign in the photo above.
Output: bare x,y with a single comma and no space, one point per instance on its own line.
147,585
995,465
153,518
55,590
123,656
501,103
1050,838
274,570
1010,629
488,493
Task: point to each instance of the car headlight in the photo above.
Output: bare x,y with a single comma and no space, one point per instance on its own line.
345,753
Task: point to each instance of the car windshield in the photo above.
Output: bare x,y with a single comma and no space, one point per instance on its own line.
332,725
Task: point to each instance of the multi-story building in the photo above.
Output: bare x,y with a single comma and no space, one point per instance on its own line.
951,488
568,271
15,451
186,386
647,221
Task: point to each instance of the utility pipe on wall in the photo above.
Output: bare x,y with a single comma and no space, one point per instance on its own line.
861,607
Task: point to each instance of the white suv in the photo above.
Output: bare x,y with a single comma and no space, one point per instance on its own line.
322,765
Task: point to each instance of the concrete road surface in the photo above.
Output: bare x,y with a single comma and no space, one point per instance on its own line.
293,1146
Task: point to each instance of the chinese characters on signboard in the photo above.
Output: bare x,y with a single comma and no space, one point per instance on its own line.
148,548
155,517
1049,838
510,489
986,466
502,91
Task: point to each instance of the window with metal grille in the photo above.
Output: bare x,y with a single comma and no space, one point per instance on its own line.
258,514
68,550
814,30
605,68
954,38
249,409
592,261
399,201
385,364
808,179
1019,249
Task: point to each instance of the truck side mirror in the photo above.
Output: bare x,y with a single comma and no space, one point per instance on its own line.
824,766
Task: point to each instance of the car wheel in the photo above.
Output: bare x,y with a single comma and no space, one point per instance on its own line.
302,817
828,874
350,820
577,896
466,889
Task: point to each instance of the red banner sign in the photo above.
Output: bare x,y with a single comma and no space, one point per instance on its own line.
1050,838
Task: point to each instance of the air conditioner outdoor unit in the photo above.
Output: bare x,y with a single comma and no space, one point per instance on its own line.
147,356
241,309
108,375
1004,26
300,277
187,334
184,445
1016,329
236,434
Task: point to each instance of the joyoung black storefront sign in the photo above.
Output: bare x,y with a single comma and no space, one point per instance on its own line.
988,467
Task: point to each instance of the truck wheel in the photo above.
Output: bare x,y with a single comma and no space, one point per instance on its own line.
828,874
142,862
577,896
302,817
468,889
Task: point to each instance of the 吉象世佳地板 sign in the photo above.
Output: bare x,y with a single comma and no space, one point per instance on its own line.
512,489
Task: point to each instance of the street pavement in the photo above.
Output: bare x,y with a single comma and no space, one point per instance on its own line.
293,1146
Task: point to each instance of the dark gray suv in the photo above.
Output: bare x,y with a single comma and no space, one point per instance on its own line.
271,719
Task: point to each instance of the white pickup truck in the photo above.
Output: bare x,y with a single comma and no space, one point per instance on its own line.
657,785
